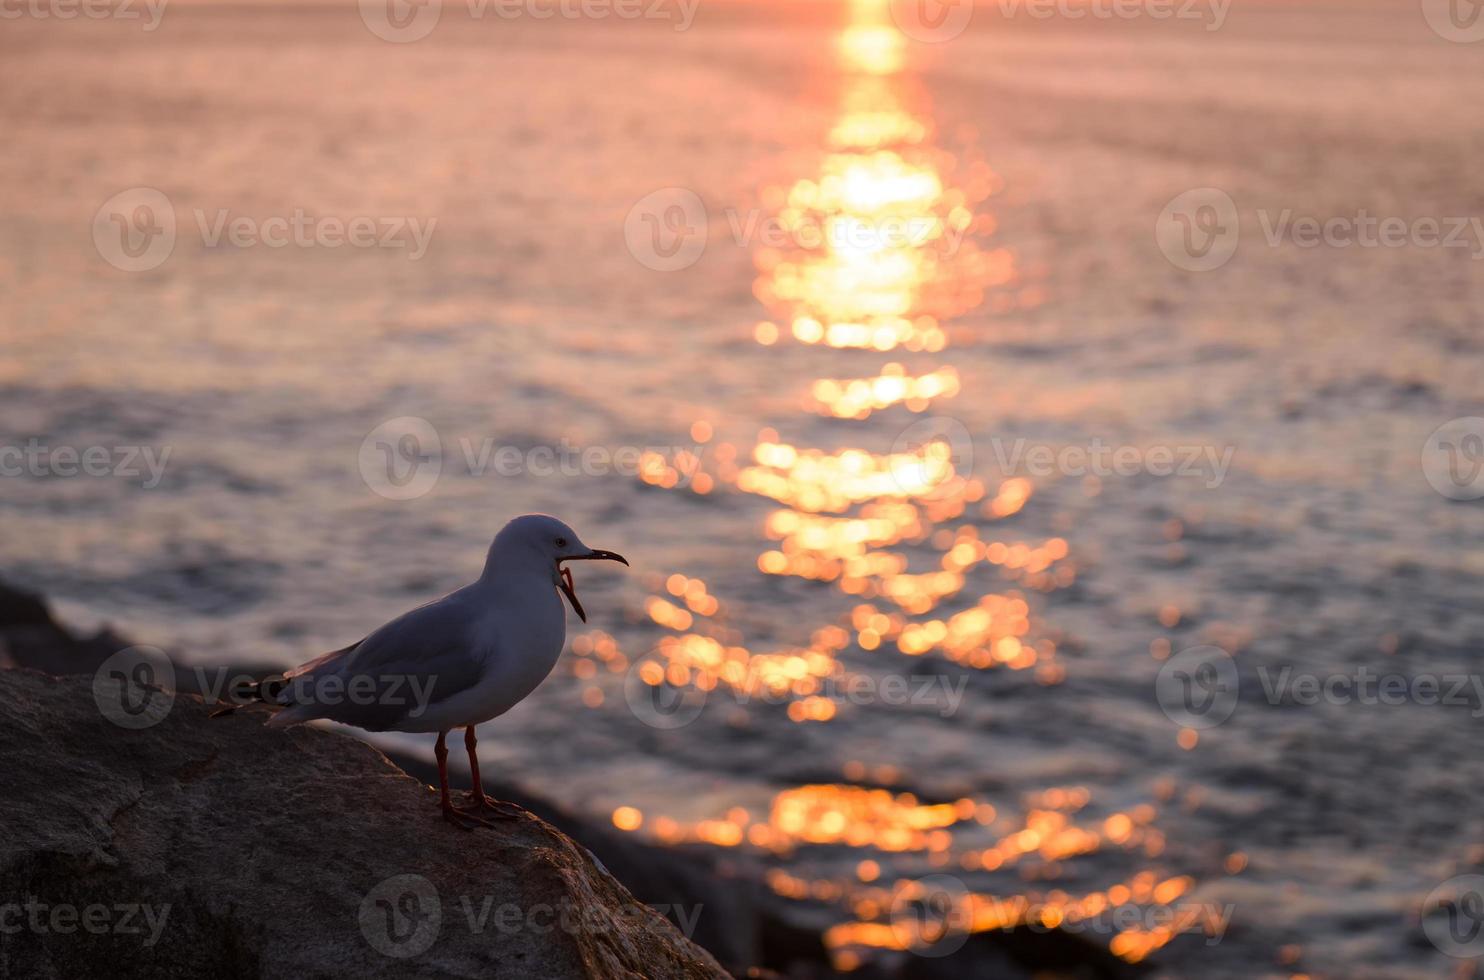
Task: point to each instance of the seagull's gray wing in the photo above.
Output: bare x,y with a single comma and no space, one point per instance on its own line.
323,660
417,660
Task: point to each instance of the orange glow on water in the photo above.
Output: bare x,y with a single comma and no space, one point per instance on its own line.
883,247
858,817
885,250
870,43
895,823
857,398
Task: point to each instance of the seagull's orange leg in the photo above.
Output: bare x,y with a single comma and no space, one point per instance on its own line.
477,799
455,816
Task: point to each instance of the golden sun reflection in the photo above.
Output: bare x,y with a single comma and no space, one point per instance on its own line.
967,834
885,252
883,248
870,43
886,249
857,398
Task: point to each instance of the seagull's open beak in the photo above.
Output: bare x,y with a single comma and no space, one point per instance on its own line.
597,555
566,575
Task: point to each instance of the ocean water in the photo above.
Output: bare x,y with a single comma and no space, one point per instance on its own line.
929,454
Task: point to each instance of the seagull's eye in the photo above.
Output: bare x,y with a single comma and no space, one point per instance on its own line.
561,542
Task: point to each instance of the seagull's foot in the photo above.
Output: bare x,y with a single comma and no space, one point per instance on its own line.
497,809
463,819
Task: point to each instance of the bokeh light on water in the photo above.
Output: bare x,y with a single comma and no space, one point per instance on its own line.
892,240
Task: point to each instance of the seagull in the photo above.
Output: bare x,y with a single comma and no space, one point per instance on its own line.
455,662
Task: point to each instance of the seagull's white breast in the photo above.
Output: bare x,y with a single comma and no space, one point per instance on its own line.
519,635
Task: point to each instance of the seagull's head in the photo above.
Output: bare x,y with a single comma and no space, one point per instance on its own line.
547,542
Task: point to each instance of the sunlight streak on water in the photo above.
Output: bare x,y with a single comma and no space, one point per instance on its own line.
886,250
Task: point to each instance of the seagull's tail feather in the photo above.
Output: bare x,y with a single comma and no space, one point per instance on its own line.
269,690
265,691
293,715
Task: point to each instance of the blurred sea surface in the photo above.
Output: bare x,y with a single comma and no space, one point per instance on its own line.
926,267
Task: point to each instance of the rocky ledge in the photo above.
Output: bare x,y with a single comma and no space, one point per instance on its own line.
254,851
195,846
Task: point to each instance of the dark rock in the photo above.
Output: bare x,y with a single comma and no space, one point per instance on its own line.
31,637
733,917
216,847
1024,952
